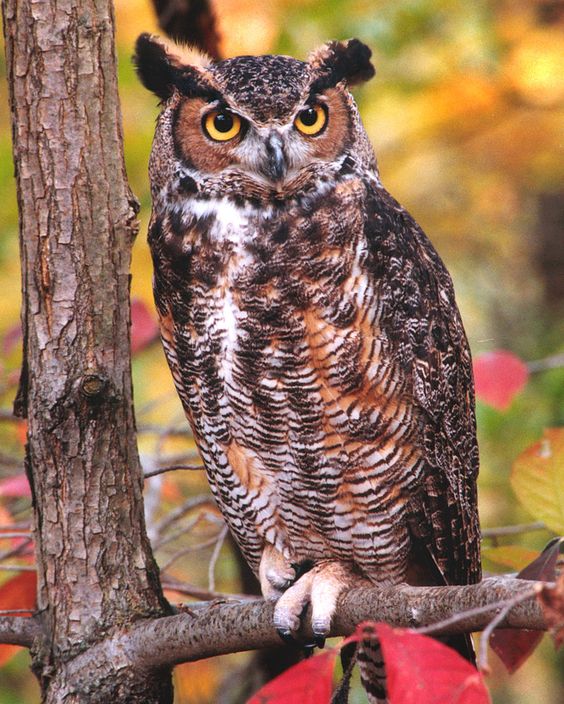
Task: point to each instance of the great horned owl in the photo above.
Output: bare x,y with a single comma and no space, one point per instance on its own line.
311,330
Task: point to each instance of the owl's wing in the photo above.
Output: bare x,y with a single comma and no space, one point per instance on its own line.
422,317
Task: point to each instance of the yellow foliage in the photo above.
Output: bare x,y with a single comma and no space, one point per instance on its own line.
132,18
247,27
535,67
196,682
513,556
538,479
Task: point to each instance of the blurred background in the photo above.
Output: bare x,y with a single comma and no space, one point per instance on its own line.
466,114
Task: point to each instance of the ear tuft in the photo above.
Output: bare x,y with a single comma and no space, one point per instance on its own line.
341,61
162,67
154,66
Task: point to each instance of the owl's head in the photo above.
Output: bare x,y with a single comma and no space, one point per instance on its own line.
255,126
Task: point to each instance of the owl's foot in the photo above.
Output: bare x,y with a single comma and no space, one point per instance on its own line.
320,587
276,573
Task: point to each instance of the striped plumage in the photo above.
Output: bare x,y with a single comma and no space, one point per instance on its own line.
312,333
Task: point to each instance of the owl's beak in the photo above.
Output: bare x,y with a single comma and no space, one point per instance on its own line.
276,166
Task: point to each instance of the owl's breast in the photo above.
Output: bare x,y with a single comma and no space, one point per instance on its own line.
299,406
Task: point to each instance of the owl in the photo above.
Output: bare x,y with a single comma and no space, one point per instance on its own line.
311,330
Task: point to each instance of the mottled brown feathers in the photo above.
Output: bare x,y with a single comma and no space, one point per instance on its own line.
313,337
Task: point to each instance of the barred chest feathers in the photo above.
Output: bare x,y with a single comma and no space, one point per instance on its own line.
281,354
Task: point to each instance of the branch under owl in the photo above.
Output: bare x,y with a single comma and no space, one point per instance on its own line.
210,629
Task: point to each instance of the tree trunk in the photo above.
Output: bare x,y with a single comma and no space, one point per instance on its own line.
95,568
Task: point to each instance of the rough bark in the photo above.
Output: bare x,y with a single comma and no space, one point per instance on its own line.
77,223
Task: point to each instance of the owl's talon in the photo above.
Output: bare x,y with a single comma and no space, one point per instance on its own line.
319,640
320,587
286,636
308,650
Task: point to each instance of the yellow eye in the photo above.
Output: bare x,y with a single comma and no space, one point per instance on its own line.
222,125
311,120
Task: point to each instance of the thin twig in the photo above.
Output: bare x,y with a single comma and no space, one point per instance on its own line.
213,559
178,533
4,536
172,468
552,362
477,611
190,548
9,612
180,511
483,665
17,568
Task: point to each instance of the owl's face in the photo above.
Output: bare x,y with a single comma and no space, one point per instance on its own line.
256,127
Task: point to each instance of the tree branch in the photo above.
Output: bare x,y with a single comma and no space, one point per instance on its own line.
218,629
18,630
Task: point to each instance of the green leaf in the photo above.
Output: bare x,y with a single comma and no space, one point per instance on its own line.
537,479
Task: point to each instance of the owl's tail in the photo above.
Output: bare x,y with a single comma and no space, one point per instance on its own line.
372,673
368,655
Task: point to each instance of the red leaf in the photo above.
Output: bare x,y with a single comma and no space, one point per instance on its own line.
513,647
17,593
499,375
308,682
144,327
15,486
420,670
543,568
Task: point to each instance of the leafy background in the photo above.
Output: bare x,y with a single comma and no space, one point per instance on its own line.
466,114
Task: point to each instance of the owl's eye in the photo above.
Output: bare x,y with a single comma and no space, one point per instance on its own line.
311,120
222,125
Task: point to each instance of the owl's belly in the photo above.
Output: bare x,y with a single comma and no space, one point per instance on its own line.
304,422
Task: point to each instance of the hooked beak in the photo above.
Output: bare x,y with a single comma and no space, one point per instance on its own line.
276,166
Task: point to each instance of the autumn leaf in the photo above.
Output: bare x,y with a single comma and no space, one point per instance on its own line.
498,376
421,670
537,479
144,327
513,647
19,592
308,682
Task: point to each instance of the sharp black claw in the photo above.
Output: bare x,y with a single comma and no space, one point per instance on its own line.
286,636
319,640
308,650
